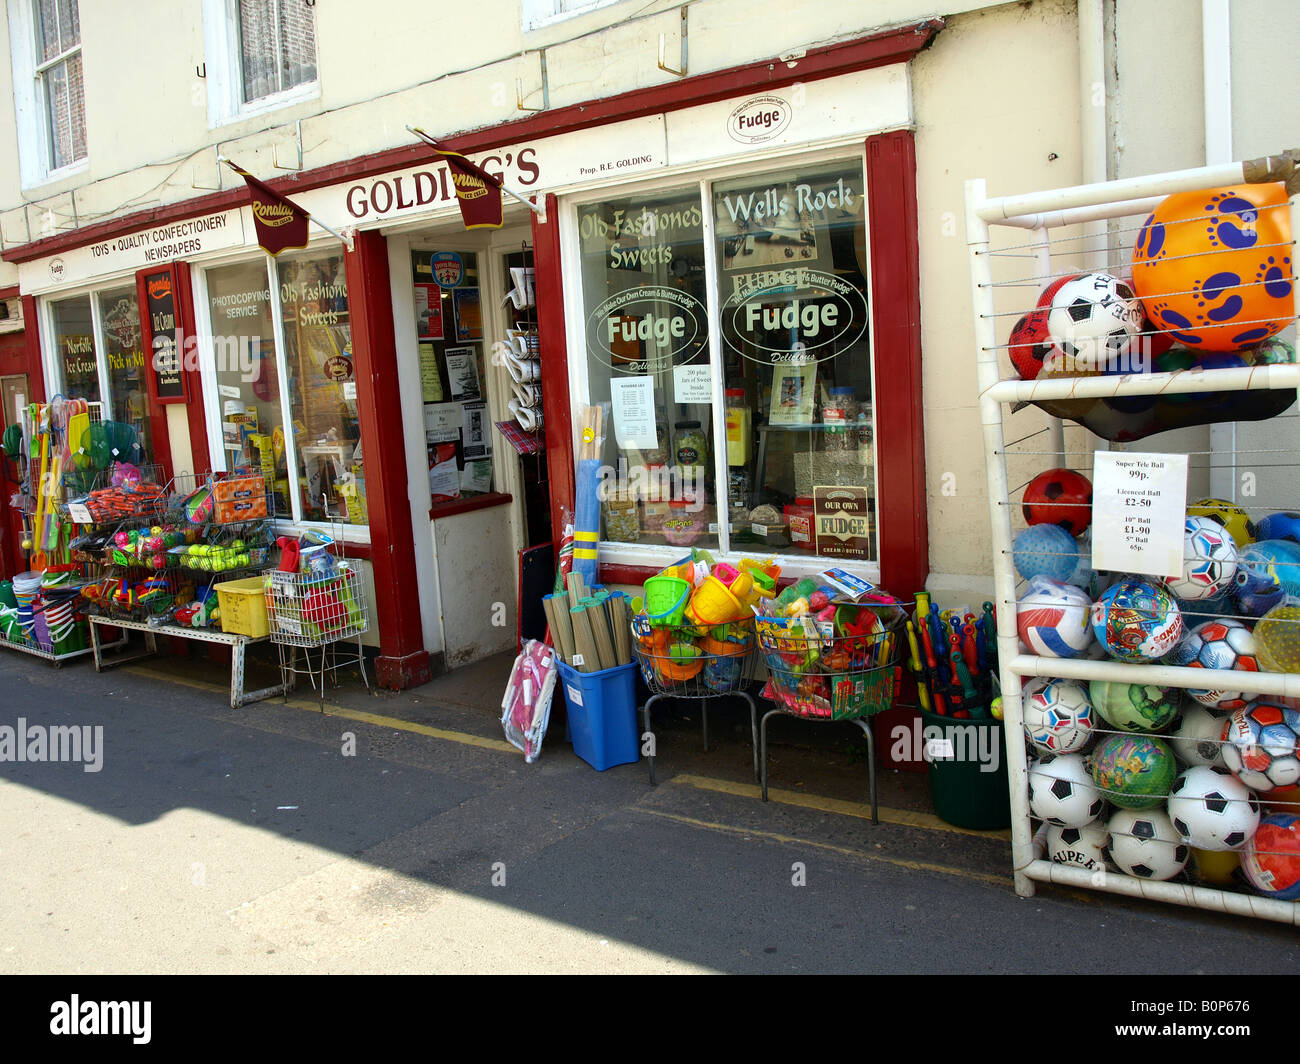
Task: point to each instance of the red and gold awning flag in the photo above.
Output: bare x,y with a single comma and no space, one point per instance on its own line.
477,191
281,223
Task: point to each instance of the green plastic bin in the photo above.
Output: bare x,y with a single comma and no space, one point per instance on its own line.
963,794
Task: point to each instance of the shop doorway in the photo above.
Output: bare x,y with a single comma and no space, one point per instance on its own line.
13,396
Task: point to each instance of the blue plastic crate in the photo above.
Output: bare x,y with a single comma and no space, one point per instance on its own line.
602,714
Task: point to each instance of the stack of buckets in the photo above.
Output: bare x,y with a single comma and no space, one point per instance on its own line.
27,593
65,634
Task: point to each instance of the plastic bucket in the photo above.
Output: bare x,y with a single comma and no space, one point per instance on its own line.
713,603
7,594
958,752
665,599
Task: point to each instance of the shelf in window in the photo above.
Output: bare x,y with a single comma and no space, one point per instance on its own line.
468,504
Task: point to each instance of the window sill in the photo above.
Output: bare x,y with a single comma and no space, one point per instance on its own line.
64,173
464,506
256,109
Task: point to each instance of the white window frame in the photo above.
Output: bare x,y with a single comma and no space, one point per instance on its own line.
848,151
224,72
212,399
538,14
35,144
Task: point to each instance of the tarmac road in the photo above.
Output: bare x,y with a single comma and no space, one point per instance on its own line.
400,833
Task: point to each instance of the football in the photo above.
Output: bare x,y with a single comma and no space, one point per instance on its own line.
1222,645
1228,515
1196,740
1031,349
1081,847
1212,810
1058,715
1209,560
1094,318
1061,792
1143,843
1059,497
1261,745
1136,621
1052,619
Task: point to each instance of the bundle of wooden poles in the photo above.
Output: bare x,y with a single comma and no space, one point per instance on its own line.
591,632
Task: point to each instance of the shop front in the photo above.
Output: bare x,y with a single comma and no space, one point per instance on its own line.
731,269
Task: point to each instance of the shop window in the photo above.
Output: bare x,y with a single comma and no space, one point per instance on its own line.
246,375
128,387
74,344
643,280
290,405
449,332
322,387
763,440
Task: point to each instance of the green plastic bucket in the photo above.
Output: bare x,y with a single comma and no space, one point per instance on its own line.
957,752
665,599
7,595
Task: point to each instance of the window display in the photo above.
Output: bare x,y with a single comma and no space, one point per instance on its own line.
315,369
322,386
796,425
449,334
74,341
246,375
119,314
644,288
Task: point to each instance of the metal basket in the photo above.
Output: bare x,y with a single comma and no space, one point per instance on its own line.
693,661
823,676
314,609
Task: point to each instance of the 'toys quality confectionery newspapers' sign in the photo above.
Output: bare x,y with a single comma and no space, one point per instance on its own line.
155,246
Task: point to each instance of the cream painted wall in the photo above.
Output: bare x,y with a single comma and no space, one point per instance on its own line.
999,120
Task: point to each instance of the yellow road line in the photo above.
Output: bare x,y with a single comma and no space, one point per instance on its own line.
862,810
464,738
772,836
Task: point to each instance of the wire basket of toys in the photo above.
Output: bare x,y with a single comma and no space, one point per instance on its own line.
693,661
314,598
694,634
828,658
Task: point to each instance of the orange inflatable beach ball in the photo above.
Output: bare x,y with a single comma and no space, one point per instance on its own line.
1214,267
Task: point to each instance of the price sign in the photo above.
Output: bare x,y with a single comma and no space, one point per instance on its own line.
1139,502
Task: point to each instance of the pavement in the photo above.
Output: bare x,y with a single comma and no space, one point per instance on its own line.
399,832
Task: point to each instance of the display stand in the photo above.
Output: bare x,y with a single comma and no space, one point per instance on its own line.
1038,217
238,644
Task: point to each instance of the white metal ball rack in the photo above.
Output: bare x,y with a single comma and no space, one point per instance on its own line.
1043,217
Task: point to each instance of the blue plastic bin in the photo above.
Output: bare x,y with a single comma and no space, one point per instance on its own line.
602,714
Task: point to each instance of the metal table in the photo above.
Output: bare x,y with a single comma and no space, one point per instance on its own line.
237,643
